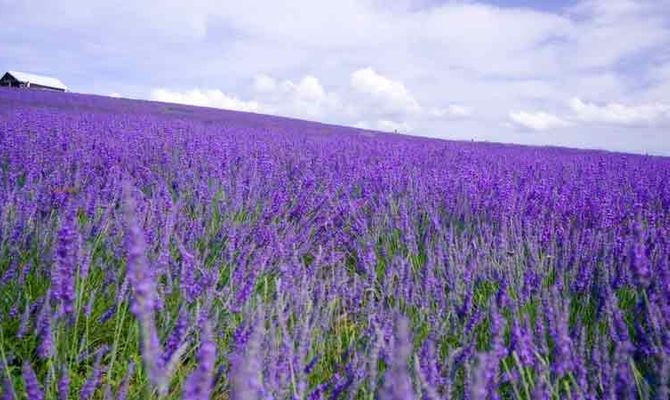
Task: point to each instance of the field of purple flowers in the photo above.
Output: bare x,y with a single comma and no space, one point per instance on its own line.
151,250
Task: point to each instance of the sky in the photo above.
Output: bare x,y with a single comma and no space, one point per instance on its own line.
577,73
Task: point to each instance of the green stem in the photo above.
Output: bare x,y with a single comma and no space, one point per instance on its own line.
526,388
507,369
121,316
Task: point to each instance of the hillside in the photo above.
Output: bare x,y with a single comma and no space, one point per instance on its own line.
154,250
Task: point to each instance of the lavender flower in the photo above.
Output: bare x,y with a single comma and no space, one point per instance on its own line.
140,277
62,286
640,264
64,385
246,383
122,394
46,346
541,391
107,315
522,344
8,392
187,281
397,381
94,378
24,324
89,304
486,375
321,235
198,385
33,388
176,337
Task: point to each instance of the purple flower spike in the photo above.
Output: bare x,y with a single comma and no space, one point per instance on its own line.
62,285
397,381
8,392
44,327
524,272
122,394
176,337
33,388
641,265
141,280
198,385
64,385
94,379
246,369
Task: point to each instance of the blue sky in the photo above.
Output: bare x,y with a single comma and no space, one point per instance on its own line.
579,73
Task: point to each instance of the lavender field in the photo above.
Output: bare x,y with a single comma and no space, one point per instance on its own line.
151,250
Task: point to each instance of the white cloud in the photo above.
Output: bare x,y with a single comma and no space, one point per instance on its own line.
659,90
308,88
646,114
264,84
452,110
115,95
306,98
537,121
389,126
392,95
459,110
204,98
385,125
627,27
372,100
616,113
425,58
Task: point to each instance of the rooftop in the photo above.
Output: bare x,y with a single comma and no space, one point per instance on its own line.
38,79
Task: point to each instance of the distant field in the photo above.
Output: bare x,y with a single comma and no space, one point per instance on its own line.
152,250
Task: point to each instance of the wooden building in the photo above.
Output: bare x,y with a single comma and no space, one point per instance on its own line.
32,81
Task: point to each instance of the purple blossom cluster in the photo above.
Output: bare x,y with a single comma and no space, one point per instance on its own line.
152,250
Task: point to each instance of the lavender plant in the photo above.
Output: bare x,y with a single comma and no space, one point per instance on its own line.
151,250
